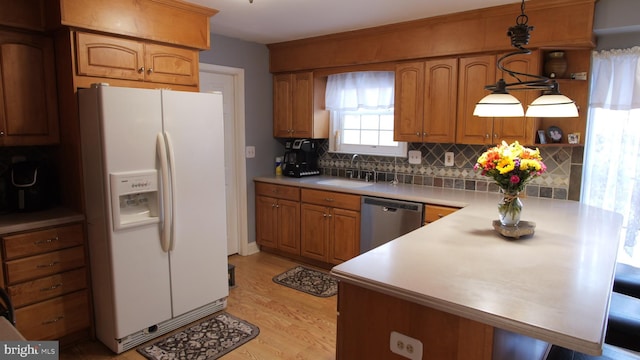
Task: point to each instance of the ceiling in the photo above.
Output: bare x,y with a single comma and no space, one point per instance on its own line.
271,21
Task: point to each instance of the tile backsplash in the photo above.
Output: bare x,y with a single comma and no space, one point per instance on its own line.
557,183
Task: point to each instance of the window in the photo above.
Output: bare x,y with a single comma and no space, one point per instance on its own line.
361,105
611,175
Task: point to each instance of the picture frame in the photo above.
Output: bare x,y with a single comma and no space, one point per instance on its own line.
542,139
573,138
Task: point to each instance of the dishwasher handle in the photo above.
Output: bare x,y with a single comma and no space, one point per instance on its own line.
392,205
389,209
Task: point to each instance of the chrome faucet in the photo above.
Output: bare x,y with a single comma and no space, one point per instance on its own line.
353,158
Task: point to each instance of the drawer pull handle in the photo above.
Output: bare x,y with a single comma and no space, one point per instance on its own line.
329,199
53,321
46,241
48,265
52,287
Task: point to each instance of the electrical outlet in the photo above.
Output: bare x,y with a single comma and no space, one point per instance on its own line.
448,158
415,157
405,346
250,152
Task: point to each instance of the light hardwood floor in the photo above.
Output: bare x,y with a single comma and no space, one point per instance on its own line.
293,325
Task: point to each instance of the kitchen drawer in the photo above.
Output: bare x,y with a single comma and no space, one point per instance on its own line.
435,212
54,318
278,191
44,265
48,287
332,199
38,242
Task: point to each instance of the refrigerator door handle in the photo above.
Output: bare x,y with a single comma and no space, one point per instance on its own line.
165,236
172,174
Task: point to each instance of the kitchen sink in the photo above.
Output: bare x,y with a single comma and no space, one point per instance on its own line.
345,183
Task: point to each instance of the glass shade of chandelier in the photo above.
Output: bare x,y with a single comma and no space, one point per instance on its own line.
500,103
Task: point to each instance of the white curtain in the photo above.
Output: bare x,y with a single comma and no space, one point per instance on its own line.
371,90
611,176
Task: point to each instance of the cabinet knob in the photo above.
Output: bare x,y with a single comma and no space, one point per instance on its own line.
141,70
495,136
418,134
486,136
424,134
1,132
150,71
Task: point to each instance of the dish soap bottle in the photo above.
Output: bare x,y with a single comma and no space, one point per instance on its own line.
278,166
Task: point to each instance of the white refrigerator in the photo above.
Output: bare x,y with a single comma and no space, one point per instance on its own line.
153,163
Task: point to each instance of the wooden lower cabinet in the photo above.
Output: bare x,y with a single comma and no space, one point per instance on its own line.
278,217
46,277
322,227
55,318
436,212
330,226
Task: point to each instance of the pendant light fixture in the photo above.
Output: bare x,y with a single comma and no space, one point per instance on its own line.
502,104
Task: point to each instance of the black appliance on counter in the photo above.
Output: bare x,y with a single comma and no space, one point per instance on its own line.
29,186
300,158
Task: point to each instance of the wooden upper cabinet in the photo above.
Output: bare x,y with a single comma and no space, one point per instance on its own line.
474,74
425,99
302,105
521,129
298,99
408,108
109,57
25,14
28,98
440,99
118,58
282,98
170,65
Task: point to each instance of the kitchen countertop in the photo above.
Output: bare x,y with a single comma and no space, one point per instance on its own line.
553,286
17,222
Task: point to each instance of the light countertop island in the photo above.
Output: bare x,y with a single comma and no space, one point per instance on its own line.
553,286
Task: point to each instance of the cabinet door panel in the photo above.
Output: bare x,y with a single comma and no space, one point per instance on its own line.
282,92
33,267
314,241
54,318
408,112
109,57
302,105
38,242
289,226
28,102
475,73
440,99
345,235
171,65
266,221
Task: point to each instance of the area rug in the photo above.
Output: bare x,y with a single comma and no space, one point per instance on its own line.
308,280
208,340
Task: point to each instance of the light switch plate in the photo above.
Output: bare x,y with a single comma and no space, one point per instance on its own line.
415,157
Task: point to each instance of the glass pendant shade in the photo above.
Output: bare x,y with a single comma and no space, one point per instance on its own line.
499,105
555,105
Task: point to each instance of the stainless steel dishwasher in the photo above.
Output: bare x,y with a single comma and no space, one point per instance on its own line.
383,220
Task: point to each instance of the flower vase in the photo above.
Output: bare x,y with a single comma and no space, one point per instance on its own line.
509,209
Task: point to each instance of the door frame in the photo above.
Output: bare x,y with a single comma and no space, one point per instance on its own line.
240,176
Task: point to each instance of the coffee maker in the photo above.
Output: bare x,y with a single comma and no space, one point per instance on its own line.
300,158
